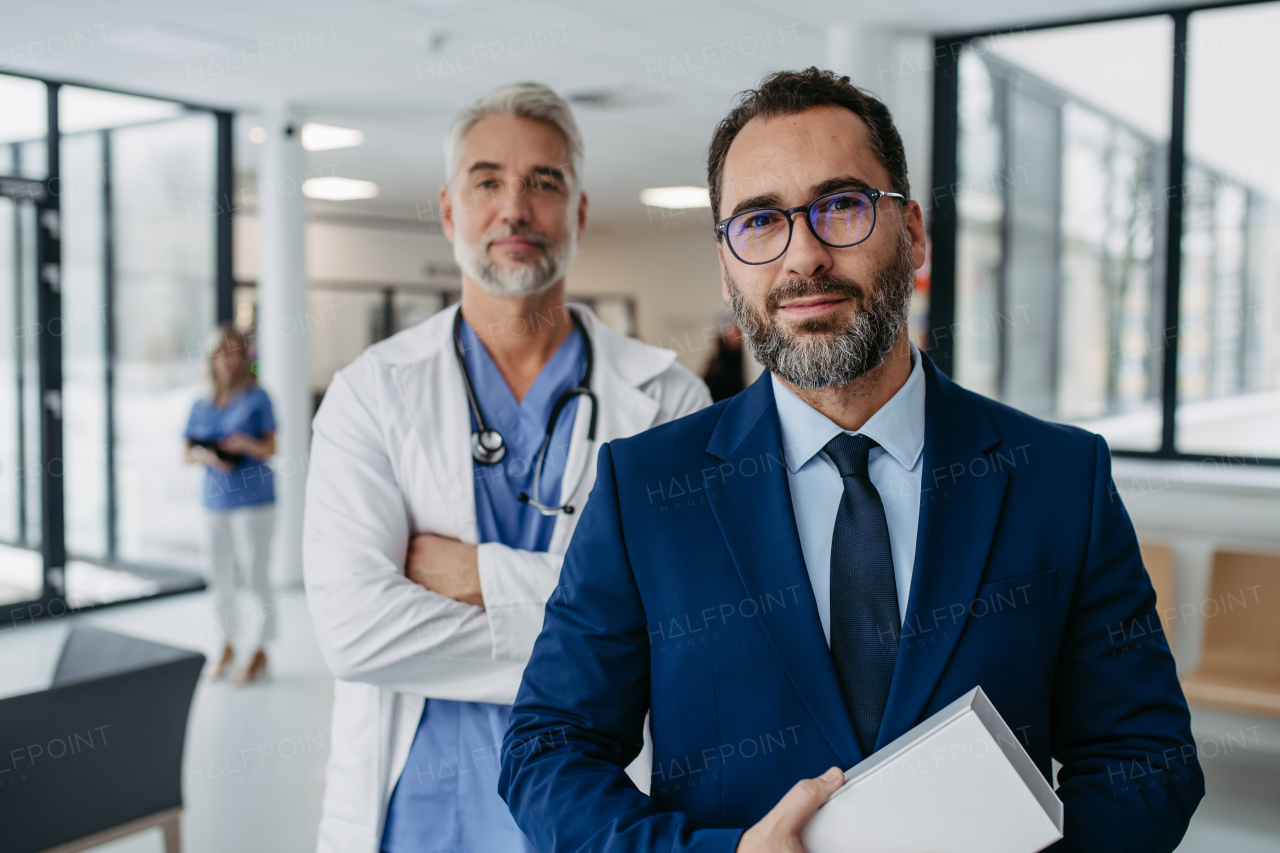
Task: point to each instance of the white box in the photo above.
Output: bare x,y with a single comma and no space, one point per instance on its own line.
960,782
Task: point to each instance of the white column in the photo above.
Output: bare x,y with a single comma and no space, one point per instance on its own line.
866,54
896,67
839,51
282,329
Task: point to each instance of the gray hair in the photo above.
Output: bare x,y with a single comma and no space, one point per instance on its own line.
524,100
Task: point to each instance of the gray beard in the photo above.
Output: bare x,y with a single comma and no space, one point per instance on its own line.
830,352
522,279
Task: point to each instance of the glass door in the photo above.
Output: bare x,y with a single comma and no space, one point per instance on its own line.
25,247
21,565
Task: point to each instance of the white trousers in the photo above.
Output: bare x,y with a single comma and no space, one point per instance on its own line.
242,538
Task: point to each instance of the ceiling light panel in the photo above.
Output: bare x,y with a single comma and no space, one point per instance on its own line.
339,189
676,198
324,137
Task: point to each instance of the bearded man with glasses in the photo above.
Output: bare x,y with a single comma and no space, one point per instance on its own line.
795,577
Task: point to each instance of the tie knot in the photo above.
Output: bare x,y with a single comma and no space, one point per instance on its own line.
850,453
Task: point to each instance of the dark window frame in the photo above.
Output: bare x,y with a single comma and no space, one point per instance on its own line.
42,195
944,221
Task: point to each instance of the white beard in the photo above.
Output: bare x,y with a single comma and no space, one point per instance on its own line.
520,279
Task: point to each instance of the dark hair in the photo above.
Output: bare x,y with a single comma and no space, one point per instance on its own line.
790,92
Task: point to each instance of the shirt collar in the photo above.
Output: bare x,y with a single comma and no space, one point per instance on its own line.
498,405
898,426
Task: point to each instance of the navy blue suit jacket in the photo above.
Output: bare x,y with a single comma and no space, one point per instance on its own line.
684,594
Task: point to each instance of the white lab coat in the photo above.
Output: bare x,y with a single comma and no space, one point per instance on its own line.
391,459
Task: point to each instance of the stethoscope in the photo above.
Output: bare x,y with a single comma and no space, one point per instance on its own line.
487,445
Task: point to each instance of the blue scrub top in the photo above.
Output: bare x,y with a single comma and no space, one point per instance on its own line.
446,800
250,482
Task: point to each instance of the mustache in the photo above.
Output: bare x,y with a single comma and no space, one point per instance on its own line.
524,232
823,285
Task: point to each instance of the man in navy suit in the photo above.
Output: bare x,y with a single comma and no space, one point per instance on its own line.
794,577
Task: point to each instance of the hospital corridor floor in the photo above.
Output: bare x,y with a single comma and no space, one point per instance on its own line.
255,755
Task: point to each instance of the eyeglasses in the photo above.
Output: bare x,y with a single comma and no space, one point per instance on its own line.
839,220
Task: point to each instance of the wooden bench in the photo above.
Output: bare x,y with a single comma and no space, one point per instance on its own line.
1159,562
1240,668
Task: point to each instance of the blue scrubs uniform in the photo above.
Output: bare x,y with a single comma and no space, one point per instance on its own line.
446,800
250,483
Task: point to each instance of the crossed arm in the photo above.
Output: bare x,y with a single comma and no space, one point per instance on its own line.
426,615
445,566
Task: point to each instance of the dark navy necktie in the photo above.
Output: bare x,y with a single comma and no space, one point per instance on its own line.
864,598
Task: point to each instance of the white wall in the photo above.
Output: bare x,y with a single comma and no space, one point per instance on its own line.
669,265
338,252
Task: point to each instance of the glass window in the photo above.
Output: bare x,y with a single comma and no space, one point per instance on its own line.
23,122
89,120
21,572
134,185
20,429
1063,138
27,348
1229,316
10,372
162,176
83,336
81,109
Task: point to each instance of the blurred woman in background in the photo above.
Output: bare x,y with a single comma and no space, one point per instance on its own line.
232,433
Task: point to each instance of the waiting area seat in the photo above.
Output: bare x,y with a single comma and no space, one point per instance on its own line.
99,754
1240,667
1159,562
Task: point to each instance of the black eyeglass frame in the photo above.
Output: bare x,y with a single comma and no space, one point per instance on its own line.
722,227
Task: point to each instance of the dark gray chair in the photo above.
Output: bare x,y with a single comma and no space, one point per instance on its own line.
98,755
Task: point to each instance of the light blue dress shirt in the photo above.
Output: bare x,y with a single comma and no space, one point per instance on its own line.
446,800
895,468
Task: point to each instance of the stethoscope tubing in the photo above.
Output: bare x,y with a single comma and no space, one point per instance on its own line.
488,446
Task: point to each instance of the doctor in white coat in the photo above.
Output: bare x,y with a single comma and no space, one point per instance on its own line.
410,612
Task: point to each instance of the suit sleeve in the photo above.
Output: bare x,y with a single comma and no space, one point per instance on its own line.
1130,778
579,716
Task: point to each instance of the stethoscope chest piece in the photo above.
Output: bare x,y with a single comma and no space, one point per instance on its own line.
487,446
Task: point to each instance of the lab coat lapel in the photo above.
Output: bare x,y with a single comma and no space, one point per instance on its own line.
434,397
624,410
444,429
962,491
753,508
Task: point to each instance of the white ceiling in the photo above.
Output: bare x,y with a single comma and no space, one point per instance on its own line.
650,79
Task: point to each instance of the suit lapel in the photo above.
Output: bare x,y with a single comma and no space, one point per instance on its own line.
758,524
962,491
